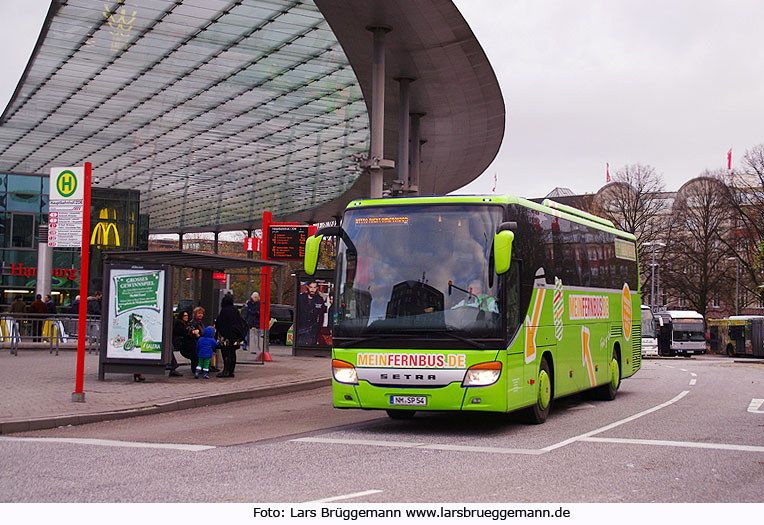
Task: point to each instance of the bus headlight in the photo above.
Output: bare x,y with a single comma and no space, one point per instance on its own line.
344,372
483,374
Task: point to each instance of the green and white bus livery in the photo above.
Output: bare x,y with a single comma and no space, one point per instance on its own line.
479,303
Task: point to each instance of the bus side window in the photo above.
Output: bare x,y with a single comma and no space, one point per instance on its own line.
513,297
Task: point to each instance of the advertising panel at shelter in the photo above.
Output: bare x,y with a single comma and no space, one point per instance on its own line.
135,312
314,312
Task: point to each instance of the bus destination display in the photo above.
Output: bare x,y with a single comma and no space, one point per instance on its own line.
287,242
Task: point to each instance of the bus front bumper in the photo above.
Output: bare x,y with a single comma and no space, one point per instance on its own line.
452,397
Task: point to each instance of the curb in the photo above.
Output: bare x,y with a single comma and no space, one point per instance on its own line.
10,427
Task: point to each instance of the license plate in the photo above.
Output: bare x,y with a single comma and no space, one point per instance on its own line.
409,401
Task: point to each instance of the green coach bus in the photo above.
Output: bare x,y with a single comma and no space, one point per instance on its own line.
479,303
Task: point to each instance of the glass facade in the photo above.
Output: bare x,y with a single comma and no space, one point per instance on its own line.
115,223
213,110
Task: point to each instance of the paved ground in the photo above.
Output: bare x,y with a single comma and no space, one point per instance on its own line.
37,386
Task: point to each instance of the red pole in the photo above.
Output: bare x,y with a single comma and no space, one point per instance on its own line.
79,395
265,284
267,217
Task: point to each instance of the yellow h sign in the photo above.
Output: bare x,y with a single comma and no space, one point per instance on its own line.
66,183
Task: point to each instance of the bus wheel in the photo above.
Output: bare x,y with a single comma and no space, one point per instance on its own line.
400,414
607,392
730,350
538,413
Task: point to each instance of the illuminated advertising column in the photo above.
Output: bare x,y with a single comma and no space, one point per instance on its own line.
137,334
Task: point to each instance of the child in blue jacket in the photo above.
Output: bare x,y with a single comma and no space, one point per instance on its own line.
205,346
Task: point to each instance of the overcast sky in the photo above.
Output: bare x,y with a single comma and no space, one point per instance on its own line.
674,84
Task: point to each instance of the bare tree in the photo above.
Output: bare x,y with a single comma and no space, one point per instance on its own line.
695,263
747,203
632,201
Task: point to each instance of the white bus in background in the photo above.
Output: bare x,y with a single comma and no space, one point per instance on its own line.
680,332
649,334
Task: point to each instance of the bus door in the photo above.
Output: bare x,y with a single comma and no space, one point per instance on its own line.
664,337
757,337
737,338
715,338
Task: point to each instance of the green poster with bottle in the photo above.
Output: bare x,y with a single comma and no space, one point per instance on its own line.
135,314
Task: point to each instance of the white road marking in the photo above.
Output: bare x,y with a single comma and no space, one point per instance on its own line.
692,381
369,442
687,444
693,374
683,369
582,406
346,496
425,446
489,450
755,405
615,424
111,443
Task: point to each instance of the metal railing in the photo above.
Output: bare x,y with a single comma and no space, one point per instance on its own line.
34,330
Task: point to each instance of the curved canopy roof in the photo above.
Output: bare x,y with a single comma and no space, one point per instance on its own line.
217,110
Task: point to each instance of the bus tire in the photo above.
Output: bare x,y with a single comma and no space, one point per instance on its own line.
539,411
400,414
608,391
730,350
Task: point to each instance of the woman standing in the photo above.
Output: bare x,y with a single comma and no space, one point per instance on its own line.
197,323
197,328
183,339
231,330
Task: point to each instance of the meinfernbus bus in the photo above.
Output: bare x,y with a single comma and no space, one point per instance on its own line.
479,303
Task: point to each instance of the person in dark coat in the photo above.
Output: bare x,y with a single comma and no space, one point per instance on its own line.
37,307
252,311
18,306
50,305
231,330
197,329
252,315
94,304
74,308
183,340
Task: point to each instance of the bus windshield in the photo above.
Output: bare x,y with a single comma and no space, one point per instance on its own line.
648,324
689,331
417,270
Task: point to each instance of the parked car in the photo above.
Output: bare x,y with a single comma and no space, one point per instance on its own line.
284,316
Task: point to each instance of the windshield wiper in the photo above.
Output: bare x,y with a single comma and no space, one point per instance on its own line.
463,339
410,335
366,339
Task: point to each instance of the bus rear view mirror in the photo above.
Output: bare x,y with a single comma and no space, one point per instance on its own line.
502,250
312,247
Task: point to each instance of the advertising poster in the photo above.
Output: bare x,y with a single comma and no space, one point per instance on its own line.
135,314
314,315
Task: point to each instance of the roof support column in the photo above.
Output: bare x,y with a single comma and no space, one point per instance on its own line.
206,298
376,163
179,273
404,134
416,150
